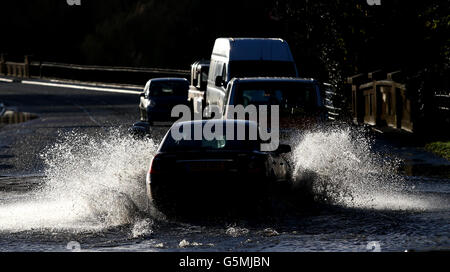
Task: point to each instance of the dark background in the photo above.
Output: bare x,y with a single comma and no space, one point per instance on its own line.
330,40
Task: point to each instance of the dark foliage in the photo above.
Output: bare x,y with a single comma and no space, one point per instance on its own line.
329,39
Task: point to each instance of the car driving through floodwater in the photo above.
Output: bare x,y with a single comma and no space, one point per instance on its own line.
222,174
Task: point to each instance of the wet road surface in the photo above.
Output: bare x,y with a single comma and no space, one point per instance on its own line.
75,175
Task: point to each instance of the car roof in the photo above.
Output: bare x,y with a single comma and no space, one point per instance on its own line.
168,79
248,125
275,79
216,121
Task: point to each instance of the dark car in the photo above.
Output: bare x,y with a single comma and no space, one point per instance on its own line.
160,95
225,175
300,101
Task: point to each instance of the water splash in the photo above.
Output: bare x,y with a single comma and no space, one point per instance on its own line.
91,183
142,228
236,231
343,169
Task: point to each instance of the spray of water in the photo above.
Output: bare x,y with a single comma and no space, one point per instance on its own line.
343,169
91,183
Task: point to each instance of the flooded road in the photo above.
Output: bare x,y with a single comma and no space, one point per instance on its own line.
73,179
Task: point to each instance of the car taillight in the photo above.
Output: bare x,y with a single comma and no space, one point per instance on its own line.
155,165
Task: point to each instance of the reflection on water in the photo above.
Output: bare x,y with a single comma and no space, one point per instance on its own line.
13,117
428,170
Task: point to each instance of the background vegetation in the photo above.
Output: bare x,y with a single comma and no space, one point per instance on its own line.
329,39
440,148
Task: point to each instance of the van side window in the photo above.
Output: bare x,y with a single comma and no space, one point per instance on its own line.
224,72
225,98
218,70
212,71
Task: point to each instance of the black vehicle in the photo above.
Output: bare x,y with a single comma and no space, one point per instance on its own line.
300,100
219,175
160,95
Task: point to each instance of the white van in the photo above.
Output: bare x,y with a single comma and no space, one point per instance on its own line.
246,57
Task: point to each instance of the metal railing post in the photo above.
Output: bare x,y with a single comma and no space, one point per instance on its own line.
357,97
2,64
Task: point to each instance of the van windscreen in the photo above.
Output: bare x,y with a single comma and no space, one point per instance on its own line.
252,68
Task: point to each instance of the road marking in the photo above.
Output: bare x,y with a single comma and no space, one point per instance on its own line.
109,90
88,114
6,80
97,84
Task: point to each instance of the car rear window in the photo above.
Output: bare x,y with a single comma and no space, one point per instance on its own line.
220,143
169,88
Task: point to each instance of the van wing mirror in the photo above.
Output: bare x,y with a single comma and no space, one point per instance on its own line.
219,81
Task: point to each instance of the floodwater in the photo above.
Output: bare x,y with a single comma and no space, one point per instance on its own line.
91,196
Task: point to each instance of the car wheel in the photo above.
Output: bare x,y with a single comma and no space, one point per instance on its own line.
159,200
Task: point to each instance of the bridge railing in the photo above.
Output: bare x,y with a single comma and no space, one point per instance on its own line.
15,69
441,99
383,100
379,100
106,74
